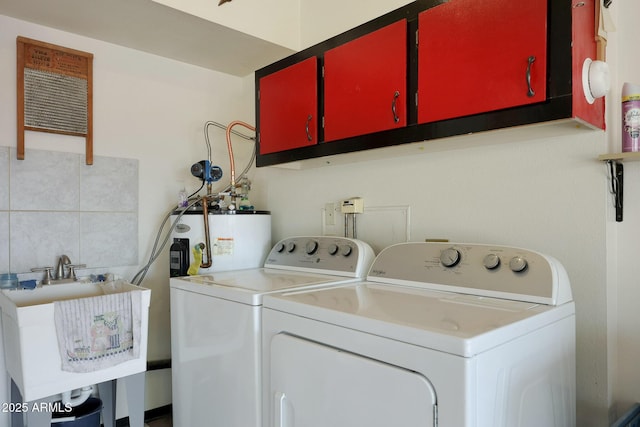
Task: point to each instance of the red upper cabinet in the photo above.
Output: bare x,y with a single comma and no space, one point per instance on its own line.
479,56
288,107
365,83
429,69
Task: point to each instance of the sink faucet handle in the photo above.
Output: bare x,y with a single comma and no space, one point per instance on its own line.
47,275
72,270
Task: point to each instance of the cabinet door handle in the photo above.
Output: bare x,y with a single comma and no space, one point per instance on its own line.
530,91
309,138
393,107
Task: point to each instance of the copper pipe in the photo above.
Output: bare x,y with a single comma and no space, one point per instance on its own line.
230,149
205,212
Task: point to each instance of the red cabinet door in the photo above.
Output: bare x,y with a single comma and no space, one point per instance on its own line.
365,84
583,46
289,107
474,57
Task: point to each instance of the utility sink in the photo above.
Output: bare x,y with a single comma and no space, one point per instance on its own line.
31,345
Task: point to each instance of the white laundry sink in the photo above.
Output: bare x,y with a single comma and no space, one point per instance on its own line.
32,356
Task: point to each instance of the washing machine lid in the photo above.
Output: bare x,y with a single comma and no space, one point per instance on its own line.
460,324
248,286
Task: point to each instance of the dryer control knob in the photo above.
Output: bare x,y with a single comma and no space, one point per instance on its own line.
280,247
311,247
518,264
333,249
491,261
291,246
346,250
450,257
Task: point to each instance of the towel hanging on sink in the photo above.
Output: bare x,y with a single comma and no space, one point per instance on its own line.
98,332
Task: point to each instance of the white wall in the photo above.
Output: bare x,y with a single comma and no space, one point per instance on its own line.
624,237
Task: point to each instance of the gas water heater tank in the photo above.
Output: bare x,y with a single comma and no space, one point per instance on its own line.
238,240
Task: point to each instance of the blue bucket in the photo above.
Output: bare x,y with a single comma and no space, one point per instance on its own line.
85,415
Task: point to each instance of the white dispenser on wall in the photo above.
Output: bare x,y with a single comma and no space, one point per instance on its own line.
237,240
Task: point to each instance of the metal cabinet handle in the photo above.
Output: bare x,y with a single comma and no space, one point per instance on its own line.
530,91
393,107
309,138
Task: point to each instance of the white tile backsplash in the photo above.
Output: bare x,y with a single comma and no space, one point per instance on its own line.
39,238
4,242
45,181
108,239
4,178
109,185
54,204
4,207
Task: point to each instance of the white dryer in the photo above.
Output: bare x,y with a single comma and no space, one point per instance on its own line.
447,335
216,326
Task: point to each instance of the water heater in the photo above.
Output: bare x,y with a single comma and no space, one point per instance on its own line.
237,240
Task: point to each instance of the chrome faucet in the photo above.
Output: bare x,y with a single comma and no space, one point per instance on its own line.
63,261
60,276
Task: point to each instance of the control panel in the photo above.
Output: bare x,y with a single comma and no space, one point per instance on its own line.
483,270
451,256
322,254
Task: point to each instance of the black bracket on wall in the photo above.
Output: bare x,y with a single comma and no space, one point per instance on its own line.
616,172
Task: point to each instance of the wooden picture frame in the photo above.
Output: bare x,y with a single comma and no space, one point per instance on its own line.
54,92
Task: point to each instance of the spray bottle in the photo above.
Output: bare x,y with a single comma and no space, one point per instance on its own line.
183,198
630,117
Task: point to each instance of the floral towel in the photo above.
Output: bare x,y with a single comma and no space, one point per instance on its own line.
98,332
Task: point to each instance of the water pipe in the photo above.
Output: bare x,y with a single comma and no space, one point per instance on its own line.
230,148
205,213
85,393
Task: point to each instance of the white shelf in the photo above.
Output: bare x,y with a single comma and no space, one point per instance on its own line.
628,156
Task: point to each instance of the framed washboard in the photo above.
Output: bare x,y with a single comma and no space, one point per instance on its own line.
54,92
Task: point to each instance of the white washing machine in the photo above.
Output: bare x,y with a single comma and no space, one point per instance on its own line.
447,335
216,326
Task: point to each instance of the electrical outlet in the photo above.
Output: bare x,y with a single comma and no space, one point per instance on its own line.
329,214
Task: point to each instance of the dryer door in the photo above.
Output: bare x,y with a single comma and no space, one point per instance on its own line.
313,385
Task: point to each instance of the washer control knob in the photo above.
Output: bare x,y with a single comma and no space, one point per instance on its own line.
291,246
346,250
450,257
333,249
518,264
491,261
280,247
311,247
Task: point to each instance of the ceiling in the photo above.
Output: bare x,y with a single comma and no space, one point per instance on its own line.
150,27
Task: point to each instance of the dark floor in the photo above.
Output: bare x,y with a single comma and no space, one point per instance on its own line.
163,421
